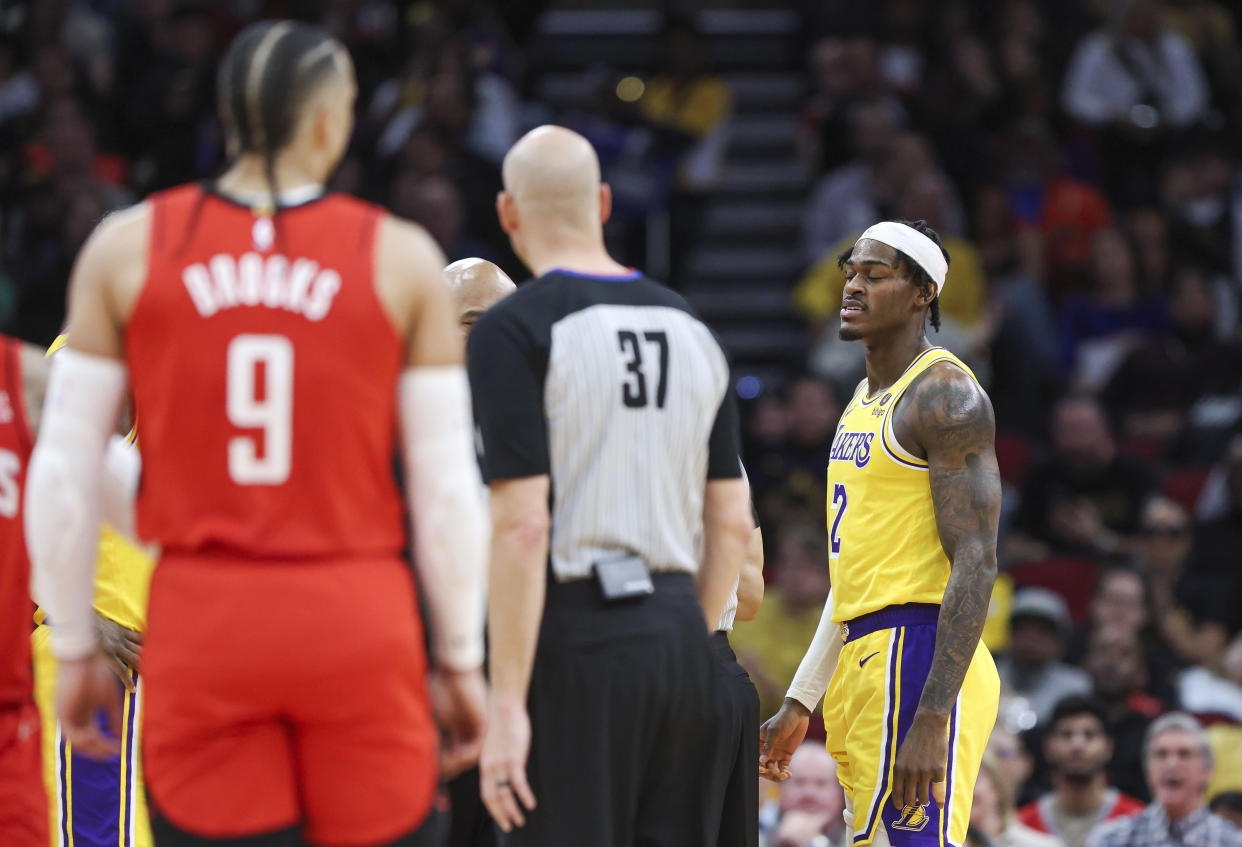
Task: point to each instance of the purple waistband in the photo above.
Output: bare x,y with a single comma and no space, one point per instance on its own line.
890,617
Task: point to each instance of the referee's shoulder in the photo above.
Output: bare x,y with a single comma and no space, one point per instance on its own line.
530,296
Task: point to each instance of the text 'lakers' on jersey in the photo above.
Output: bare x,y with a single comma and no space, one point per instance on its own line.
884,548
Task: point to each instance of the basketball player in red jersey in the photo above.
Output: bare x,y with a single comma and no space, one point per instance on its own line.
277,342
23,802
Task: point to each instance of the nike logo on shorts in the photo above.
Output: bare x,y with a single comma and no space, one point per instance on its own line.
866,659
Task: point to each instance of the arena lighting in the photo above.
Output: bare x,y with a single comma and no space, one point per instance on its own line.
749,387
630,89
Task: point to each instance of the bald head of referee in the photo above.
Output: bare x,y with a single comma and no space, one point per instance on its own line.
554,205
477,285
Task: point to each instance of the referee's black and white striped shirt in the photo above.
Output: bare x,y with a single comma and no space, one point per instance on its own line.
616,390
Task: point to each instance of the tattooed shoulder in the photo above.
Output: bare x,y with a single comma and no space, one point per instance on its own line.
950,413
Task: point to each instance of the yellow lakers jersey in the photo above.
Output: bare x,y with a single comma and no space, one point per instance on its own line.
884,548
122,571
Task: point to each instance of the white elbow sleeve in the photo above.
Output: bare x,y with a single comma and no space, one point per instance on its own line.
119,486
451,528
63,491
811,680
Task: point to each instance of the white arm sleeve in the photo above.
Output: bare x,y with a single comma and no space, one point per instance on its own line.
63,492
451,528
119,486
817,666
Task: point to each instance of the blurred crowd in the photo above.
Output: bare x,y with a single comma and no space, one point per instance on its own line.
104,101
1082,160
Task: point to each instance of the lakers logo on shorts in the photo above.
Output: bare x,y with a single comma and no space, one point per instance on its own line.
913,818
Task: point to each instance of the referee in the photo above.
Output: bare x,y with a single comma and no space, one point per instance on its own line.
731,796
609,442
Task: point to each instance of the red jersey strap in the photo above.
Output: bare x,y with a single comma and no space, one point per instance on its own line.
366,233
174,205
17,392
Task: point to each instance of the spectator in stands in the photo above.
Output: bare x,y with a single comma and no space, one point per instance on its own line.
1033,670
1215,692
436,204
684,96
847,199
1058,214
1013,760
992,812
1194,609
1222,492
1148,230
771,646
1135,72
844,80
1077,748
1228,805
1137,83
1025,359
56,224
1178,763
1158,383
790,473
1118,670
1120,602
1100,327
1086,497
1200,191
808,812
1218,539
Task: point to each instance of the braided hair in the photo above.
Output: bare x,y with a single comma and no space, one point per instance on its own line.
263,82
918,276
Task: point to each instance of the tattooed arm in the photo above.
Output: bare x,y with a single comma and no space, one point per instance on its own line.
948,416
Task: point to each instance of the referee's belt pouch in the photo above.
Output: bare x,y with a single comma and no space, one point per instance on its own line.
624,578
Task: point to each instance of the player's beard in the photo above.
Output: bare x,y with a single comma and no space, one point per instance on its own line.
849,333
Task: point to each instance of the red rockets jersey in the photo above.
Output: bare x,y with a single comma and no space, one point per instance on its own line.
264,373
16,606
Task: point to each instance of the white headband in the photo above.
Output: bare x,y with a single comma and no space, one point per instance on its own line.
914,244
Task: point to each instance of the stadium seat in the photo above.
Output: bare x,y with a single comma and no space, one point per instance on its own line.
1013,454
1184,487
1072,577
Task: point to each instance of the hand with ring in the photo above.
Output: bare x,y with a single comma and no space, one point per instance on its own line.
502,766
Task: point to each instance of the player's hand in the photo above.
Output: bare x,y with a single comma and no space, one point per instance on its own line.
779,737
84,687
122,647
460,702
918,775
502,767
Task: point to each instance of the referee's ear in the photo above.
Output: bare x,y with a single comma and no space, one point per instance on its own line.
605,202
506,212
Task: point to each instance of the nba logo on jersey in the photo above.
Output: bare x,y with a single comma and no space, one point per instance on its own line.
913,818
6,408
263,233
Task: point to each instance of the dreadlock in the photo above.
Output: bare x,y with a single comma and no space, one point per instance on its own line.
918,276
263,82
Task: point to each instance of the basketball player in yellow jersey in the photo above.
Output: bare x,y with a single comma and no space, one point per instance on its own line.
913,504
92,802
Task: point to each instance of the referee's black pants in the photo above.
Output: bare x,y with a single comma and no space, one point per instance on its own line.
733,801
623,720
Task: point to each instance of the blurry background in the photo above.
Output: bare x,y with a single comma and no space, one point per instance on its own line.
1082,160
